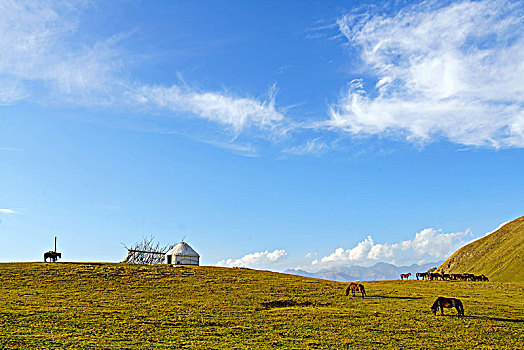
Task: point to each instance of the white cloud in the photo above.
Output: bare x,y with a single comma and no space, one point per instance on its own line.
235,112
43,60
263,259
40,54
8,211
315,146
454,70
427,245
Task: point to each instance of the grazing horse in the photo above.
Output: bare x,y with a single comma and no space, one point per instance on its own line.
405,275
51,255
447,303
423,275
356,287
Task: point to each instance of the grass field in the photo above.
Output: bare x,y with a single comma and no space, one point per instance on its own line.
118,306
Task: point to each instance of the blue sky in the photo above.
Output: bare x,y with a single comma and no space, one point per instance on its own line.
270,134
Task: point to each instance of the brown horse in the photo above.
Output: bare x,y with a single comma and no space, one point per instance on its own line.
405,275
355,287
422,275
434,276
447,303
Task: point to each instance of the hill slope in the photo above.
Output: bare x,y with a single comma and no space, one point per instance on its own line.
126,306
499,255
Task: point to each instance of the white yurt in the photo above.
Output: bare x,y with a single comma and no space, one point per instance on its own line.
182,254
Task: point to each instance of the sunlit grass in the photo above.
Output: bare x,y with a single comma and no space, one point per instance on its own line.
141,306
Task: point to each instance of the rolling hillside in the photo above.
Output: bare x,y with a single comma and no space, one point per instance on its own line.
127,306
499,255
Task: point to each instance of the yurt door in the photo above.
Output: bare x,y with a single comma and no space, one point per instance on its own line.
169,259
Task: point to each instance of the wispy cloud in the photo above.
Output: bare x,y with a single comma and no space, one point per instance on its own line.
315,146
43,60
265,259
427,245
8,211
235,112
40,57
440,70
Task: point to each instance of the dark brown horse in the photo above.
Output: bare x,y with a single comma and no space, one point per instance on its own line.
51,255
405,275
423,275
447,303
355,287
434,276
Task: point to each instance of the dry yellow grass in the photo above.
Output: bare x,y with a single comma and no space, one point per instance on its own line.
121,306
500,255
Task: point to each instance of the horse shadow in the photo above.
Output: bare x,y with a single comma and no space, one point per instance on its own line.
494,318
501,319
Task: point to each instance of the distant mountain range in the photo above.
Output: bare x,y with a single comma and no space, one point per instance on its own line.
379,271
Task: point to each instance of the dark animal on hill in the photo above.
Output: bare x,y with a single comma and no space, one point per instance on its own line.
446,276
51,255
434,276
469,277
422,275
442,303
455,276
355,287
463,277
405,275
480,278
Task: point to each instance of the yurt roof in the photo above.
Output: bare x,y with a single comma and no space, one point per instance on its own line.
183,248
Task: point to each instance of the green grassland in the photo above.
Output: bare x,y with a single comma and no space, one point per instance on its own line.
499,255
125,306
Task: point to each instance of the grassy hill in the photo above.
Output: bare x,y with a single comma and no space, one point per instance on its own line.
115,306
499,255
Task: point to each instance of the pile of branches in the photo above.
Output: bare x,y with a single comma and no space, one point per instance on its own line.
147,251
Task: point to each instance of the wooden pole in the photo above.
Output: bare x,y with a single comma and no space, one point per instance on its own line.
55,244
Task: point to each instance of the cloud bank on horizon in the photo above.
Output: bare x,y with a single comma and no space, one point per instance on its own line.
265,259
452,70
427,246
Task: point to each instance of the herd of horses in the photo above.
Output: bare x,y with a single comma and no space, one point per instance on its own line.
433,276
441,302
